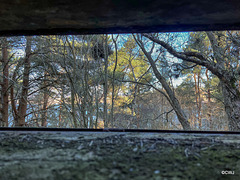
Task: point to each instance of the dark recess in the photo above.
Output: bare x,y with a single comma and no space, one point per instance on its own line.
28,17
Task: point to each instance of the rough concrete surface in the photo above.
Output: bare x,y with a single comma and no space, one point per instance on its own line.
117,155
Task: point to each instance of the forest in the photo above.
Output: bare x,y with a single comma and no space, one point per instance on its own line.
174,81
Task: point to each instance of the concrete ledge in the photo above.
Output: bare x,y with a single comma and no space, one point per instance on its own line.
117,155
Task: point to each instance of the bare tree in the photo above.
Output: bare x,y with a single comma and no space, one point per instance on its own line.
218,66
171,95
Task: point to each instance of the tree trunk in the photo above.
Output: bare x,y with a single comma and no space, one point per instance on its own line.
45,101
209,112
22,109
5,92
232,107
228,82
73,81
228,78
97,108
172,98
105,87
198,98
61,104
113,80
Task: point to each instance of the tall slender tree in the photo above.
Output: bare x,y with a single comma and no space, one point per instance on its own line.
170,92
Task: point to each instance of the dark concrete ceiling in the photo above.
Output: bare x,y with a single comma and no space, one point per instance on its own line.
116,16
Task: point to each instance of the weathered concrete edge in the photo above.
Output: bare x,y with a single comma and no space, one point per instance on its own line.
65,135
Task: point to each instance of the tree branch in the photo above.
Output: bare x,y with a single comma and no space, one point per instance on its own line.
193,57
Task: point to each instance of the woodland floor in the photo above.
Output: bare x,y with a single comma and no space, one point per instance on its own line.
117,155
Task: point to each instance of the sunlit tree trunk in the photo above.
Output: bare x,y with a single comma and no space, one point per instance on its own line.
209,113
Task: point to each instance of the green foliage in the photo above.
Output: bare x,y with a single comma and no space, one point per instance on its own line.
132,67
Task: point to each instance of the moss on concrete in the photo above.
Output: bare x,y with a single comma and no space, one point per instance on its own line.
117,156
